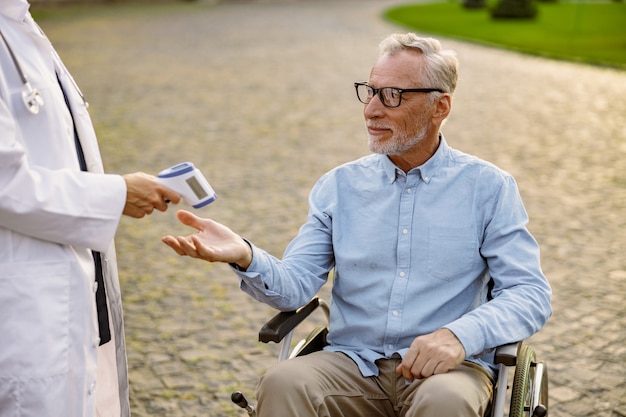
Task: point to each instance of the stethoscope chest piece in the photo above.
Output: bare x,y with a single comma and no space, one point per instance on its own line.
32,99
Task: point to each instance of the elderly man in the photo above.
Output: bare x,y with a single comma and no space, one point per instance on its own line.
433,263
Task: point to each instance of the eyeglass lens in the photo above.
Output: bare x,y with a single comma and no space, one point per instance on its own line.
389,96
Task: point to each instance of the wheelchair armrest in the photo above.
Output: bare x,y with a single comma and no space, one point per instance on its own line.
507,354
284,322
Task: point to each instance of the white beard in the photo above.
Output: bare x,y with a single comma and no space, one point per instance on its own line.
398,144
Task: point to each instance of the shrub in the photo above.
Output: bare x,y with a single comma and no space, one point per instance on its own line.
514,9
474,4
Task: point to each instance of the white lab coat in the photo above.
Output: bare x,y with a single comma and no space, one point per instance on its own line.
51,216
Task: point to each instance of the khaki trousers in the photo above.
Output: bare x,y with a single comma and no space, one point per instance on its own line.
329,384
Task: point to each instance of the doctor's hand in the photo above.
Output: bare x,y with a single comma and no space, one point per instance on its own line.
431,354
144,194
213,242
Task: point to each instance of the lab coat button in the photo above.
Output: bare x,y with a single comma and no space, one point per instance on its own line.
92,388
95,286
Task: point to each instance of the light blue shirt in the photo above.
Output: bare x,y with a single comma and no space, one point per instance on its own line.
412,253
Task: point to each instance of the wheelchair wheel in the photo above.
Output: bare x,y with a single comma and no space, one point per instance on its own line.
529,395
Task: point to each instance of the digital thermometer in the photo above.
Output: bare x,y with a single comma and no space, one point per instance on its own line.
188,181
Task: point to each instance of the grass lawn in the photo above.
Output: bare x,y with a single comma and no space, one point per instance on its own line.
590,32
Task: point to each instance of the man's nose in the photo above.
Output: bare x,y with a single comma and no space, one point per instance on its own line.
374,108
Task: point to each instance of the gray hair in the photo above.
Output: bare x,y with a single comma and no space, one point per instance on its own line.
441,70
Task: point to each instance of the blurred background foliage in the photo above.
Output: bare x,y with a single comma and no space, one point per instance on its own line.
592,31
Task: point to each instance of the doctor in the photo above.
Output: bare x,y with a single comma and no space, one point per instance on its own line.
61,352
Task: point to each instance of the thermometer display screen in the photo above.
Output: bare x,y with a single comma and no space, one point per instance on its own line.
196,187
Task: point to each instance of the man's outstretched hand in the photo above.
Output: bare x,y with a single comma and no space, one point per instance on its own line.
212,242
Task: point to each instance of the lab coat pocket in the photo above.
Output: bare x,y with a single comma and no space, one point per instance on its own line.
34,329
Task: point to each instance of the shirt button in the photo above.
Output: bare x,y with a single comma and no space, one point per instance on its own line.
402,274
390,347
409,191
395,313
405,231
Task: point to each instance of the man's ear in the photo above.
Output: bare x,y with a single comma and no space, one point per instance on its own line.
443,106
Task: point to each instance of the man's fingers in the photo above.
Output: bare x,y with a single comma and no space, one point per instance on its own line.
173,243
187,246
189,219
181,245
426,370
209,253
405,372
421,370
409,368
442,368
431,354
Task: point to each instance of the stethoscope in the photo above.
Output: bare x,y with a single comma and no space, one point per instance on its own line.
31,97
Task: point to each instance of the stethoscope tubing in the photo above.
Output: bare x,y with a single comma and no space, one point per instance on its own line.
31,97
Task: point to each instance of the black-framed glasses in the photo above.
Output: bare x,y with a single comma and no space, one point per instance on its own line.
389,96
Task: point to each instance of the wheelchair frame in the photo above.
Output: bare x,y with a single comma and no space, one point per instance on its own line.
528,393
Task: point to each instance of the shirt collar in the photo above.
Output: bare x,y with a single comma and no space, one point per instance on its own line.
426,171
14,9
429,168
388,167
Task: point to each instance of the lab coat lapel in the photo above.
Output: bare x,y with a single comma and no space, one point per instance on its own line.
78,107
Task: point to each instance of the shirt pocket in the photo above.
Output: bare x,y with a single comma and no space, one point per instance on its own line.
452,252
34,330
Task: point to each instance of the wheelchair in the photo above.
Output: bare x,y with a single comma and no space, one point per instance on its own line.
527,395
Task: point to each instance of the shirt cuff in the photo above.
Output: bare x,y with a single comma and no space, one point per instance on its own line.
237,267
